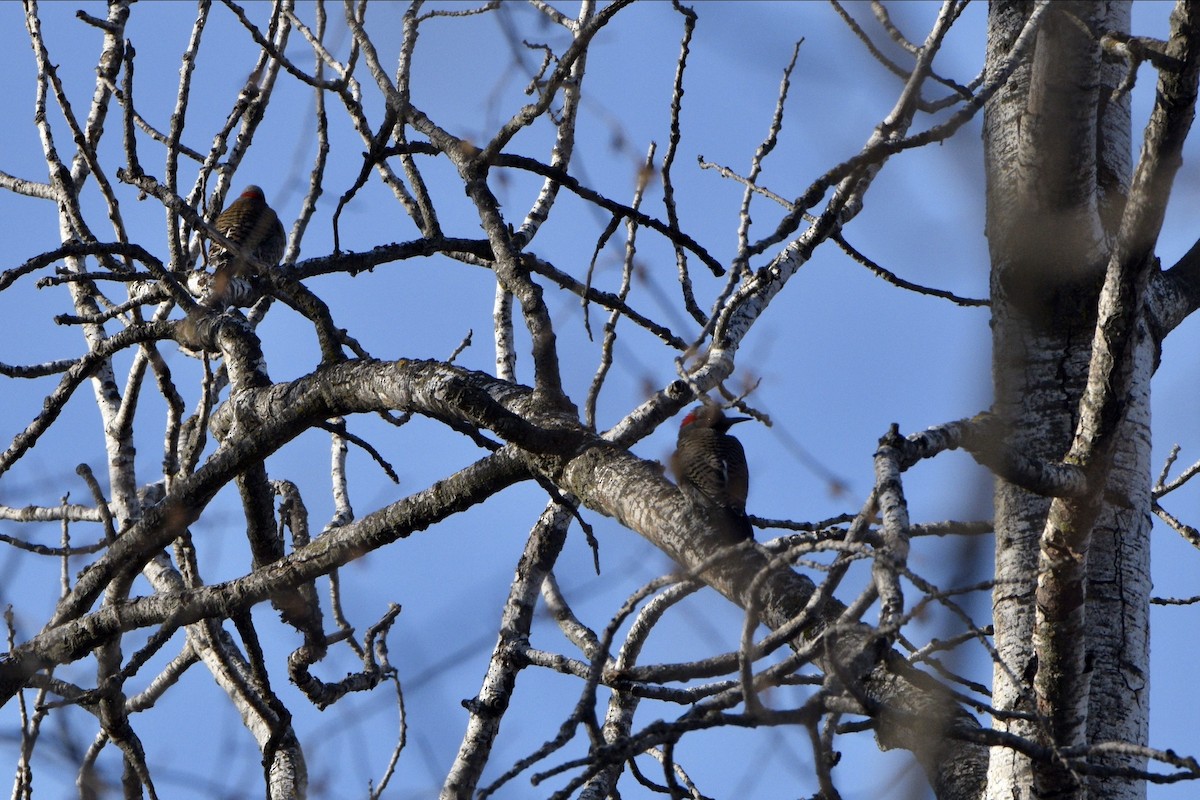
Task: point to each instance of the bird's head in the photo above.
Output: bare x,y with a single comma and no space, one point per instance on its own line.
708,415
253,192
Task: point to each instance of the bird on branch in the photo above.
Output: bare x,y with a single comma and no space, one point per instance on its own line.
255,228
710,468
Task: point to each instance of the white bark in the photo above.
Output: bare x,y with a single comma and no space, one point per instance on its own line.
1072,368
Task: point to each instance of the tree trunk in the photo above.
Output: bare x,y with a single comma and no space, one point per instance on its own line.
1057,150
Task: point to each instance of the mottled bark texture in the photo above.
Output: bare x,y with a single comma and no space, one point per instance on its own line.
1071,246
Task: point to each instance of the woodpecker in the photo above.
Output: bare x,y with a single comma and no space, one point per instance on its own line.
710,467
251,224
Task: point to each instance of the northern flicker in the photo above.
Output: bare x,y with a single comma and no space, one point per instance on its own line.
710,468
251,224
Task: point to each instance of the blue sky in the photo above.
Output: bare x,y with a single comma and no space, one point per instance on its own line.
840,354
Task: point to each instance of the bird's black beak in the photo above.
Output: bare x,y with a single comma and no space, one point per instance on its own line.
736,420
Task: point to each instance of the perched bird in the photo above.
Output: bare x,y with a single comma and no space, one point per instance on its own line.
710,468
252,225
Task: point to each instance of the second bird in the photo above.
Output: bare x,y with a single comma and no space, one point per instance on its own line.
710,467
250,223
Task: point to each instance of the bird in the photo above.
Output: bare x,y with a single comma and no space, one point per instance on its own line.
252,225
710,468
